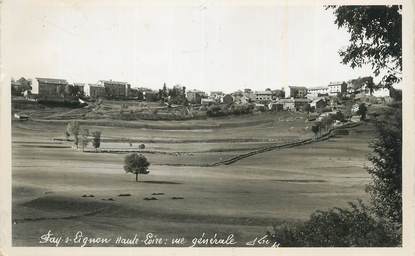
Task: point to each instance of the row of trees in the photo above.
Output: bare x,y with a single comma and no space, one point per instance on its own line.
18,87
233,109
133,163
175,95
326,123
81,136
68,90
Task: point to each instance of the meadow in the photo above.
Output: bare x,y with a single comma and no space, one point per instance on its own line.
53,183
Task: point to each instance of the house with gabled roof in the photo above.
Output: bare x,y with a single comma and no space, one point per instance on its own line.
95,90
296,92
115,89
49,86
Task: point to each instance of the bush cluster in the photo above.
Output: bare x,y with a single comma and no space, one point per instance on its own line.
225,110
355,226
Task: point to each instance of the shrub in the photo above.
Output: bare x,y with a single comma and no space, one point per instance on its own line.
362,111
339,227
224,110
385,188
73,128
96,141
339,116
215,110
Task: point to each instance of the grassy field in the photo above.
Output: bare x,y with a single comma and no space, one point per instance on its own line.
245,198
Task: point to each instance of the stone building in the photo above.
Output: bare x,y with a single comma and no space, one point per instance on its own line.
296,92
263,95
95,91
336,88
115,89
317,91
49,86
195,96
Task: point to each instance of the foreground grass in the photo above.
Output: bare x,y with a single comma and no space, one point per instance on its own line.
243,199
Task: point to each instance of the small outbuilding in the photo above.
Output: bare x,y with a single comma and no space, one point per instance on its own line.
22,117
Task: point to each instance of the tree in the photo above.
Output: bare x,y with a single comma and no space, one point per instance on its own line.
315,128
67,135
362,111
26,83
326,122
375,39
76,91
84,138
69,90
348,109
73,128
136,164
140,95
307,108
96,139
151,97
215,110
60,90
386,170
371,87
20,86
363,83
339,116
163,93
85,131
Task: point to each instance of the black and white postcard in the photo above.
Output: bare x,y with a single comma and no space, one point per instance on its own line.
174,127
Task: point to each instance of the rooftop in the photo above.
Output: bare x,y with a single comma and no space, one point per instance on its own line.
292,100
318,99
285,101
263,92
336,83
113,82
51,80
16,83
196,91
96,85
318,88
298,87
302,100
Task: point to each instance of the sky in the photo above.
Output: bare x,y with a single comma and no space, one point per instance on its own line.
207,45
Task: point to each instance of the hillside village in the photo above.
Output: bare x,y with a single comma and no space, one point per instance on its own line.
178,103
